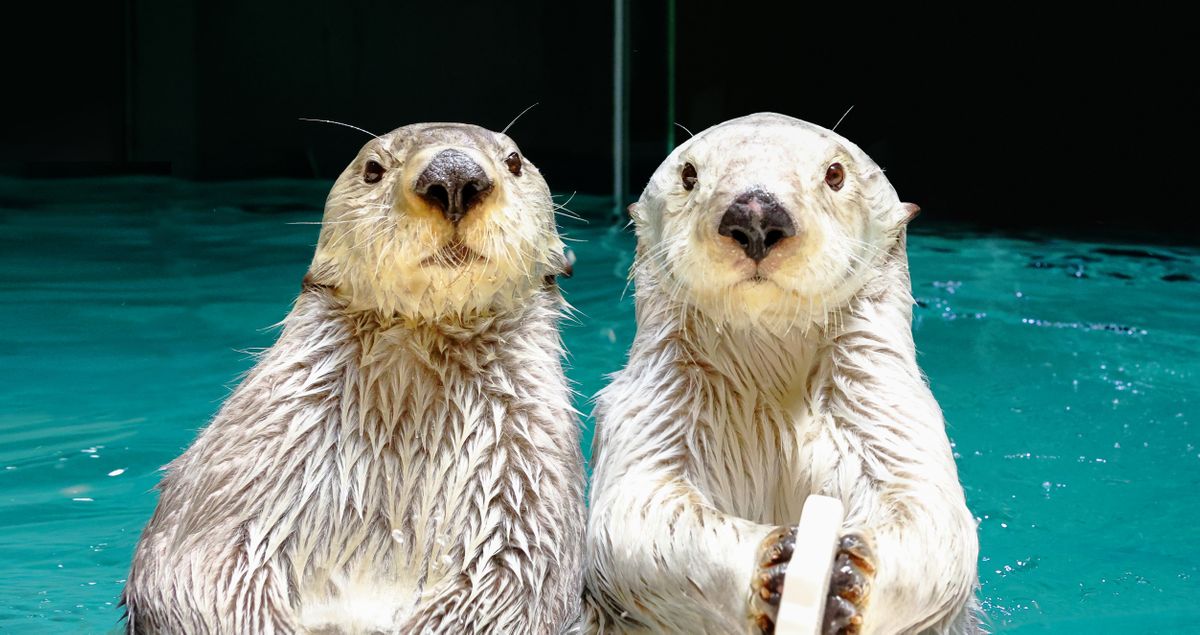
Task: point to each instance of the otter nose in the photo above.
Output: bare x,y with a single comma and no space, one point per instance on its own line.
453,183
757,222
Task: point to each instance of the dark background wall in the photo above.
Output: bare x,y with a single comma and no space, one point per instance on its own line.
213,89
1005,116
1009,117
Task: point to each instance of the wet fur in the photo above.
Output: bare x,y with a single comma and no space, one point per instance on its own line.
729,414
383,468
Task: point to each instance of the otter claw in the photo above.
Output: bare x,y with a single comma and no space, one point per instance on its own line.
849,586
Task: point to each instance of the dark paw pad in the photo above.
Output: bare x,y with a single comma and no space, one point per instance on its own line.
767,585
849,586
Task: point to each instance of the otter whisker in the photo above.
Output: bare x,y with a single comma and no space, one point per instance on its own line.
510,124
338,123
379,258
570,198
363,221
624,291
571,215
839,121
333,222
372,233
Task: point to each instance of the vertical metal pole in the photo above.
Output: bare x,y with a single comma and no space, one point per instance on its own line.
620,125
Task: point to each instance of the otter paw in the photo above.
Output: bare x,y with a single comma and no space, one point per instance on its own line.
767,584
849,586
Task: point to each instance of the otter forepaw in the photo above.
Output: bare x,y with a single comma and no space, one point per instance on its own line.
849,586
767,584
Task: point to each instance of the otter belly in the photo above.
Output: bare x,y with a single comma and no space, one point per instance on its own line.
358,607
369,572
388,523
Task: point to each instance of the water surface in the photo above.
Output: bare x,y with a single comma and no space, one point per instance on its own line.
1067,371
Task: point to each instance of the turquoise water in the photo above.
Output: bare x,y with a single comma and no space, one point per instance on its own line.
1067,370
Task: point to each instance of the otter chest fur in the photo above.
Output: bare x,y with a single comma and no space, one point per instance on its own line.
432,443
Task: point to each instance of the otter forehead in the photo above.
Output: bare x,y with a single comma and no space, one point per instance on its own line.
426,135
767,128
765,149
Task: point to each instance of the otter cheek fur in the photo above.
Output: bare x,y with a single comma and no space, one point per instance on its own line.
774,359
405,457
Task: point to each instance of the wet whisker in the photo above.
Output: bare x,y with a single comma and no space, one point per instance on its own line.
510,124
338,123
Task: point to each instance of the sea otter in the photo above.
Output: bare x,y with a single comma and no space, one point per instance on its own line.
773,359
406,457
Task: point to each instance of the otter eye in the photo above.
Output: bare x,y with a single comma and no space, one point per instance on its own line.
372,172
513,161
835,176
688,176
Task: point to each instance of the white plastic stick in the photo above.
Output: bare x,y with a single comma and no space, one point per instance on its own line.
802,604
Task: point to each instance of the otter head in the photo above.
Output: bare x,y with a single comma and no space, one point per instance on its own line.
766,221
438,220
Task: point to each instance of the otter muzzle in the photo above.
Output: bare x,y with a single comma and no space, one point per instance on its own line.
453,183
757,222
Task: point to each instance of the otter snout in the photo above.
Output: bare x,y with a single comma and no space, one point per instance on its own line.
453,183
757,222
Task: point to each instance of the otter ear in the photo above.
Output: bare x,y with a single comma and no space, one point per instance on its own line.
567,265
319,278
911,211
563,264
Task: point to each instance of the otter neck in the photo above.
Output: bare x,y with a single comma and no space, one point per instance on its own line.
456,326
752,360
472,340
782,364
394,367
